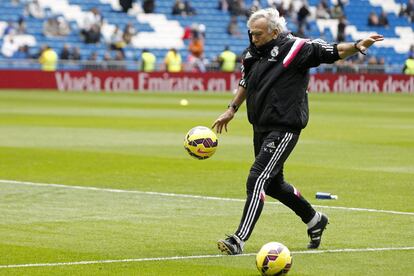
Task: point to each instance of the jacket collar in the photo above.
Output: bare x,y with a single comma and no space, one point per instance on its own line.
266,48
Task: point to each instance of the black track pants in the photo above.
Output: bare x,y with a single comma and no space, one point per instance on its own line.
266,177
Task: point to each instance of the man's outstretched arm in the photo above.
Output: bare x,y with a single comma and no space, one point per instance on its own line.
348,49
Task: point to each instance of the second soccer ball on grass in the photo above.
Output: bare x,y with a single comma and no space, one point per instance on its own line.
274,259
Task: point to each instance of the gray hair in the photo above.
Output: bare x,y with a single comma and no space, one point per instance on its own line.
274,21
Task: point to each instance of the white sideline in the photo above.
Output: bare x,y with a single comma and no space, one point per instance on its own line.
345,250
187,196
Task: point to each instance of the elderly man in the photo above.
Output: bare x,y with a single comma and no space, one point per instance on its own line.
274,84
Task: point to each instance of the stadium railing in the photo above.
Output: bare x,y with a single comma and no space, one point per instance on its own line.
128,65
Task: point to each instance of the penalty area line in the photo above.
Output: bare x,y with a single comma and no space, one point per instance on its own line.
174,258
111,190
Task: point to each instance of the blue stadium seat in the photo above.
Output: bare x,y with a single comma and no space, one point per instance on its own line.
215,20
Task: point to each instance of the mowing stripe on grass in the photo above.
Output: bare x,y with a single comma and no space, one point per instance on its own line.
186,196
344,250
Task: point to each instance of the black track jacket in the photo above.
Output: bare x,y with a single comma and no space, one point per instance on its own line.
276,78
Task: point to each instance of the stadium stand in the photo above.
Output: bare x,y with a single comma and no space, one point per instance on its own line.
160,31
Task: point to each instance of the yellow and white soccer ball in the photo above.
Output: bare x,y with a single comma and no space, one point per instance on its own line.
201,142
274,259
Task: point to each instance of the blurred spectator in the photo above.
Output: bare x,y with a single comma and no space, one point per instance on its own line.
125,4
92,62
93,17
194,30
408,10
189,9
188,32
237,7
148,61
341,36
337,11
402,10
325,4
202,30
129,32
148,6
107,56
56,26
63,26
302,16
34,9
9,46
223,5
227,60
195,59
342,3
373,19
381,65
196,46
233,27
75,55
409,65
344,66
411,51
410,7
322,12
183,8
91,29
372,64
281,9
290,11
21,26
22,53
173,61
50,27
48,59
93,35
358,59
383,19
119,61
116,41
107,61
254,7
10,28
65,52
69,53
179,8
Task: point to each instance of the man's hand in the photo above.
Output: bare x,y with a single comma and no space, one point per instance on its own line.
346,49
226,117
223,120
364,44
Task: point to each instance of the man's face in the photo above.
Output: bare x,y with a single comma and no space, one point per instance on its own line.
260,32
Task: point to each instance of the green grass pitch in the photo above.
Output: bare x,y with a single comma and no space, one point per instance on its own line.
130,147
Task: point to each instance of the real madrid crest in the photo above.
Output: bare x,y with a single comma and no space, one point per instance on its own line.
274,52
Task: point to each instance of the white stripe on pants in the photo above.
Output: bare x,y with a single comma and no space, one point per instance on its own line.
258,187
